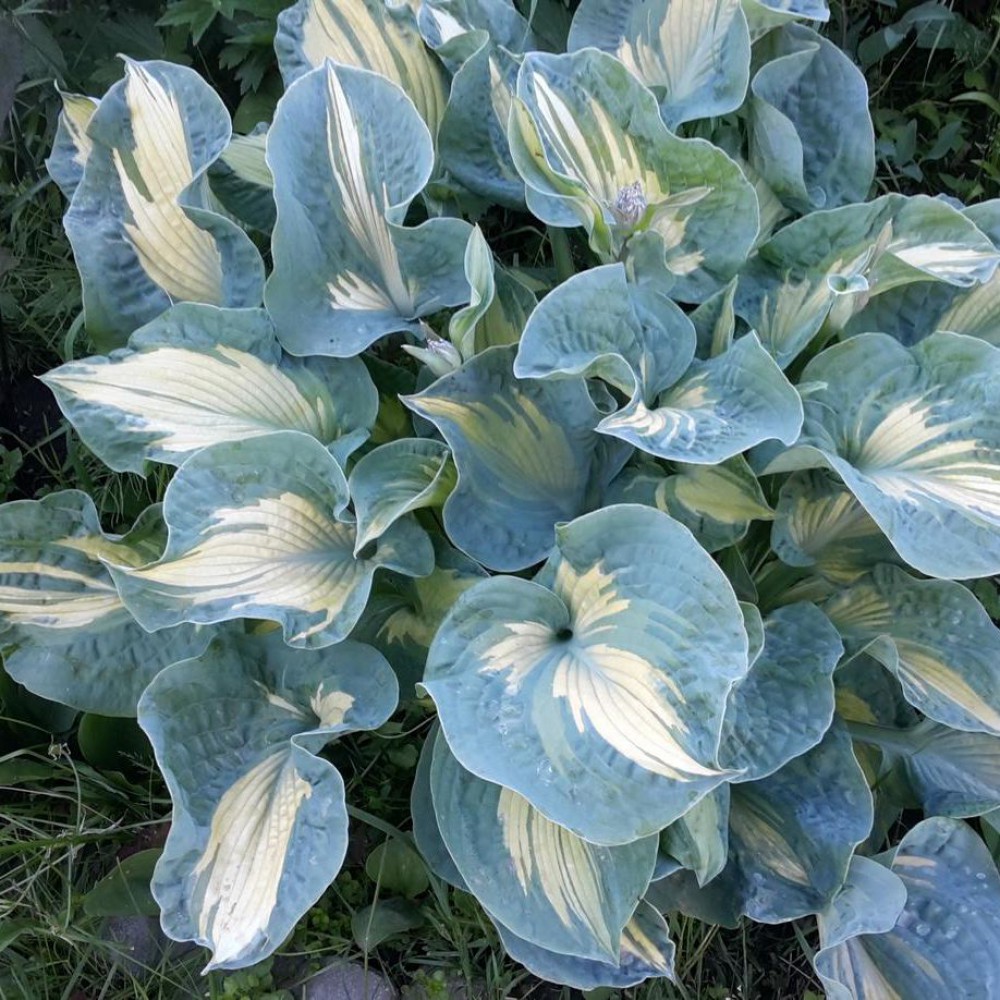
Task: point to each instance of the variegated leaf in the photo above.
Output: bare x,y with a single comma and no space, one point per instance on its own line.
481,44
945,941
69,638
566,895
791,838
404,613
259,529
398,477
597,324
588,140
699,840
607,672
785,704
71,146
694,55
915,436
259,824
141,221
348,153
951,773
367,34
811,136
721,407
934,636
646,952
526,453
199,375
828,265
819,523
763,15
242,181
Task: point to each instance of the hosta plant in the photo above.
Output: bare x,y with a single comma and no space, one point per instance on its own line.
670,515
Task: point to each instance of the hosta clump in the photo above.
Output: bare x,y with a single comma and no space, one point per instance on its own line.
678,545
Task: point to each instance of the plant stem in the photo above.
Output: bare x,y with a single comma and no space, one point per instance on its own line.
562,255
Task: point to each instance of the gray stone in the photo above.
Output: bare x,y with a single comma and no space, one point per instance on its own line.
347,981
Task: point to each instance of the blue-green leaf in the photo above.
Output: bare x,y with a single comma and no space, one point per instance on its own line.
142,223
811,135
597,324
609,672
199,375
952,773
934,636
73,640
785,703
566,895
945,942
349,153
694,55
792,834
259,529
526,454
699,840
259,823
914,434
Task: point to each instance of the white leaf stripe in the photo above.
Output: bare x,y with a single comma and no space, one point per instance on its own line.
55,597
224,395
548,858
238,875
365,34
364,212
177,255
282,551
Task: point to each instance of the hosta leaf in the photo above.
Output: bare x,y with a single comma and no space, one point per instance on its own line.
71,146
699,840
588,140
791,835
811,135
913,433
403,614
715,322
838,259
395,478
609,672
242,181
715,502
566,895
695,56
526,455
766,14
720,408
199,375
819,523
258,529
945,942
785,703
596,324
367,34
73,640
951,772
480,42
426,830
934,636
141,221
259,822
870,902
646,952
349,153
